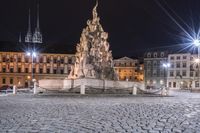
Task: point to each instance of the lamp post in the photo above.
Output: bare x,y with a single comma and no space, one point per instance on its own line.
33,55
196,42
166,66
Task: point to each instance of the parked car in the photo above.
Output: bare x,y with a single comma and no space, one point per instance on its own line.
6,88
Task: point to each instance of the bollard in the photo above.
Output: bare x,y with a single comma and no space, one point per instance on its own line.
82,89
134,91
14,90
35,88
163,92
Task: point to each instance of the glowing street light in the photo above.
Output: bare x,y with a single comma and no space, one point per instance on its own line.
32,54
196,42
166,65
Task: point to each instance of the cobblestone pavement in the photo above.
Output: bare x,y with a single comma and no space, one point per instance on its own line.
91,114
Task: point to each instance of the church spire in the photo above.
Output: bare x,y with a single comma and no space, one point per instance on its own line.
38,18
20,38
28,37
37,36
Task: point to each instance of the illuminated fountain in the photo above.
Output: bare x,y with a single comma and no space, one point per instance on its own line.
93,66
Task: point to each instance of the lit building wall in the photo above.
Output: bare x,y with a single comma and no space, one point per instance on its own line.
16,67
127,69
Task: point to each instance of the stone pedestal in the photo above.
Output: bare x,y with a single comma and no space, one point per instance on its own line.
134,91
82,91
14,90
35,88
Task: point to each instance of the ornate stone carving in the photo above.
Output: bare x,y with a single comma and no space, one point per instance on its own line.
93,57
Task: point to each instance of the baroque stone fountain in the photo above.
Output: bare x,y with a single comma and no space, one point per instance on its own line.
93,66
93,57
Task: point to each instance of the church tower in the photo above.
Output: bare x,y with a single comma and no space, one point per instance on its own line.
28,37
37,36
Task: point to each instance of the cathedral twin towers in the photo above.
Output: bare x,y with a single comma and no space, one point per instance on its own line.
36,36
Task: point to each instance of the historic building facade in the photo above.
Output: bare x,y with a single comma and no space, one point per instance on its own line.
128,69
17,68
155,73
184,71
179,71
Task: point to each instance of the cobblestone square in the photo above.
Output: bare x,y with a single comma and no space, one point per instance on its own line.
92,114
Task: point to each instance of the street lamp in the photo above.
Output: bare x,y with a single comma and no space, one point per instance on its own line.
196,42
32,54
166,66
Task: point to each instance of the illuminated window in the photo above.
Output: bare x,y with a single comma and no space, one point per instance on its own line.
11,80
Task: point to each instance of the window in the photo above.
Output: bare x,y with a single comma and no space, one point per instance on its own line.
172,58
130,77
170,84
41,59
161,73
124,64
33,70
149,55
26,59
69,71
174,84
54,71
4,59
177,73
149,64
154,73
41,70
184,57
196,84
178,57
196,74
54,60
26,70
148,73
11,80
4,70
19,59
155,55
171,73
11,59
48,60
172,65
155,64
178,65
34,60
162,54
70,61
62,71
61,60
19,70
184,73
48,71
3,80
191,66
184,65
191,74
11,70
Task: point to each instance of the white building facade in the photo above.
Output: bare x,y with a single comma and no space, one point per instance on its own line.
183,72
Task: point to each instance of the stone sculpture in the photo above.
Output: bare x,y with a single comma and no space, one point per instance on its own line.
93,57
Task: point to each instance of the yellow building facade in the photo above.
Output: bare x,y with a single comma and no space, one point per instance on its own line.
17,68
128,69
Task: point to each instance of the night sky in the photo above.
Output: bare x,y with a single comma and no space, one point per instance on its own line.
134,26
